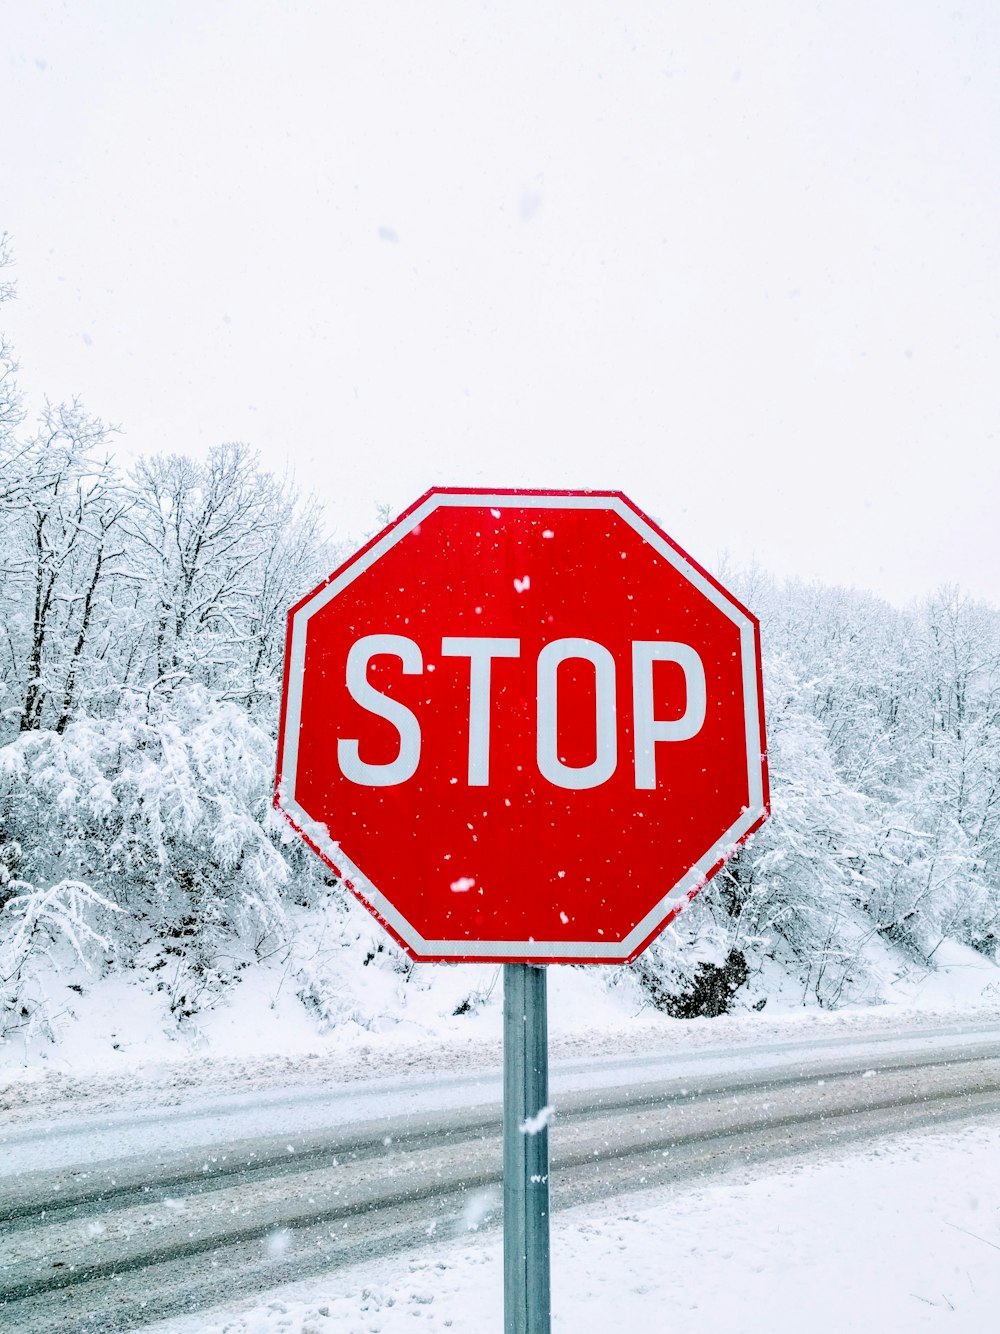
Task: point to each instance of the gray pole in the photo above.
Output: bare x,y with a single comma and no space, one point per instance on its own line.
525,1154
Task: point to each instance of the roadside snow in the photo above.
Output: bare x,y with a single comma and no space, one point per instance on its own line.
128,1116
115,1055
901,1237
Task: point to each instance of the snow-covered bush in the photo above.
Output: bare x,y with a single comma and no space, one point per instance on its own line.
39,922
162,812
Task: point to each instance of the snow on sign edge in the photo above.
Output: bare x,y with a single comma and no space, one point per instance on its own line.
317,836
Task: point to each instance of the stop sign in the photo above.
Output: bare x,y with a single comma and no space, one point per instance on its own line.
522,726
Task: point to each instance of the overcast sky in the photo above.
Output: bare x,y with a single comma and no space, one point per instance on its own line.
737,260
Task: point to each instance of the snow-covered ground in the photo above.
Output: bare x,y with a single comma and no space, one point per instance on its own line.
901,1237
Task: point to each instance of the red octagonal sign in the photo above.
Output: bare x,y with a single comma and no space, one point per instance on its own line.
522,727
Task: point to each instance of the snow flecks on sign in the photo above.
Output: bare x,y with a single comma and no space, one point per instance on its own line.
463,884
495,513
563,918
534,1125
522,585
547,532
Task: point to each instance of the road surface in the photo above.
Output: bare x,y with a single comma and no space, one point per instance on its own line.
112,1222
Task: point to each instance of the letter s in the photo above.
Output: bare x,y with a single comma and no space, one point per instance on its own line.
404,766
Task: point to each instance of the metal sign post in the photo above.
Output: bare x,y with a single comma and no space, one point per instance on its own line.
525,1151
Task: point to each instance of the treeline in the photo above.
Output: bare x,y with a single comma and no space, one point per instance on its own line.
141,641
884,747
142,621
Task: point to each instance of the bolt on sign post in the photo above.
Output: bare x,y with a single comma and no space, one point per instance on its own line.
525,728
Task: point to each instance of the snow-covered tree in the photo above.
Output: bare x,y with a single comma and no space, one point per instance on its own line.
61,545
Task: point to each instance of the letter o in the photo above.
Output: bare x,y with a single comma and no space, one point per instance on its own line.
550,766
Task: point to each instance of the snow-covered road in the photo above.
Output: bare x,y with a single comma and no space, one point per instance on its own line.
131,1215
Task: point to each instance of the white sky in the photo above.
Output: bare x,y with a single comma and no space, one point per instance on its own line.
737,260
